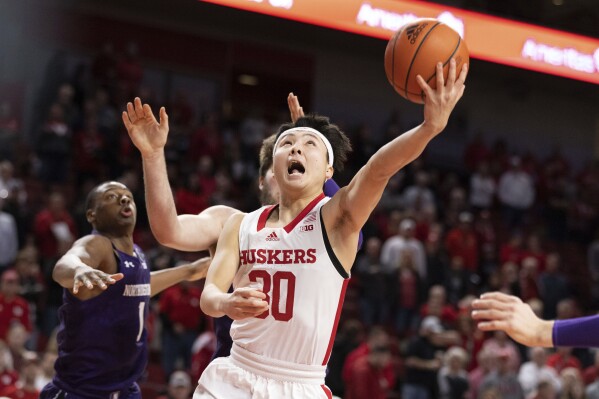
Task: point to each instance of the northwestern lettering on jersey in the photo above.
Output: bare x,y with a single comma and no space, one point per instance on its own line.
277,256
137,290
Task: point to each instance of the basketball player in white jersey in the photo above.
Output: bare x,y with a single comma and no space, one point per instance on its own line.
289,263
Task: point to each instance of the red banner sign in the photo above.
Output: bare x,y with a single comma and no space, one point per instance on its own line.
488,38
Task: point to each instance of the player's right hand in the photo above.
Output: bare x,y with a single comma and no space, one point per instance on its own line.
440,102
147,134
245,302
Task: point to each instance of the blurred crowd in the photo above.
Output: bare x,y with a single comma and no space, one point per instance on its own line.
504,220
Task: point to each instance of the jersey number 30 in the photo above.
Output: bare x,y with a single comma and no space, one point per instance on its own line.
275,282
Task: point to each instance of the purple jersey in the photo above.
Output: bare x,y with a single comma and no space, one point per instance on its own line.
102,348
578,333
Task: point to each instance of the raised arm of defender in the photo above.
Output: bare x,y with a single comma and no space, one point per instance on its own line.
349,209
182,232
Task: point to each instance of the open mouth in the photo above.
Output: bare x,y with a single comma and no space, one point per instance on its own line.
295,168
127,212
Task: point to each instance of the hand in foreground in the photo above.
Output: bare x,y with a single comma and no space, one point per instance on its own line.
295,109
147,134
498,311
199,268
439,102
88,277
245,302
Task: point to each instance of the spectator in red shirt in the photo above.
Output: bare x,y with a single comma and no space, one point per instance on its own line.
8,374
471,338
55,232
25,388
512,251
461,241
476,152
529,288
181,320
367,377
563,358
591,373
13,307
535,250
190,199
89,145
377,338
436,305
408,295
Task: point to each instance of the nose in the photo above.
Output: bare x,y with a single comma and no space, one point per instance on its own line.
296,148
125,200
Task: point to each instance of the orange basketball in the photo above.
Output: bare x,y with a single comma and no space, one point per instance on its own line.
416,49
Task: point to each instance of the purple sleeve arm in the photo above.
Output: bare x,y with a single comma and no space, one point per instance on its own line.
330,188
582,332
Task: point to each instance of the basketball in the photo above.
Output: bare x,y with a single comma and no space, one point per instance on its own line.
416,49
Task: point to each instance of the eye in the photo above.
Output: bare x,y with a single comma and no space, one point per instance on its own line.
111,196
311,142
287,142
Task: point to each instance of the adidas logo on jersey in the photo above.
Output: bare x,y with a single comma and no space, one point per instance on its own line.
272,237
310,218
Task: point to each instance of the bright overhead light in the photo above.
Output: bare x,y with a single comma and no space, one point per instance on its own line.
558,2
248,80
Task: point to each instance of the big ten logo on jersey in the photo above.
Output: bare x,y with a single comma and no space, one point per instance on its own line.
308,225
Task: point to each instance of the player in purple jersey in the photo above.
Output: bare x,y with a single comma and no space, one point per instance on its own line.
499,311
102,343
194,232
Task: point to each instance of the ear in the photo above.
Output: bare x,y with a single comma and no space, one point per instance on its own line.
329,172
90,216
261,183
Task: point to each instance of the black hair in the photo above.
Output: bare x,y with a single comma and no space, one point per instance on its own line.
339,141
266,154
90,201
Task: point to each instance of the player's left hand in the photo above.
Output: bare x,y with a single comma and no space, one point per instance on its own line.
199,269
439,102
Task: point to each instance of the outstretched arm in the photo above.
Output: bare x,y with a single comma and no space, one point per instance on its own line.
162,279
88,264
216,301
349,209
182,232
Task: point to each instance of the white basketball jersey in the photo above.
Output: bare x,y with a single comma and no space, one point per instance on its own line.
304,281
